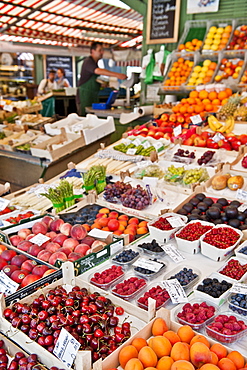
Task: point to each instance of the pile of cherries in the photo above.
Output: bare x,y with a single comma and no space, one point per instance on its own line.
193,231
89,317
163,224
222,237
234,269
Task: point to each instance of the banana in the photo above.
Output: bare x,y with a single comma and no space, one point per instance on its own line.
230,123
214,124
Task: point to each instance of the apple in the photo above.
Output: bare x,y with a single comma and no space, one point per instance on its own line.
8,269
200,142
8,254
40,270
48,272
18,275
2,263
18,260
28,265
34,250
24,245
29,279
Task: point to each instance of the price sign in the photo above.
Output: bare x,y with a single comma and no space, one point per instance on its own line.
241,194
173,253
97,233
175,221
196,119
8,108
66,348
177,130
3,203
175,291
18,122
131,151
126,141
243,207
117,246
148,264
137,142
7,285
39,239
239,288
146,144
158,146
217,137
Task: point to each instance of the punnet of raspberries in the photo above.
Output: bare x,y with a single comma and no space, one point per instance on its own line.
224,326
196,313
221,237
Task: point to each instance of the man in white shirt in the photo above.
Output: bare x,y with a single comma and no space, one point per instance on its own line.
48,84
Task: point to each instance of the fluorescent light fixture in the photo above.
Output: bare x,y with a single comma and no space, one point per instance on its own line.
117,3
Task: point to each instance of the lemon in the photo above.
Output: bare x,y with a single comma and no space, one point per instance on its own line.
214,47
210,35
191,81
216,42
197,69
206,62
190,64
213,29
220,30
206,47
199,81
217,36
202,75
208,41
204,69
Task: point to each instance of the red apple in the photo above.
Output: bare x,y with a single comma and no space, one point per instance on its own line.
18,260
8,269
2,263
48,272
40,270
18,275
28,265
8,254
29,279
24,245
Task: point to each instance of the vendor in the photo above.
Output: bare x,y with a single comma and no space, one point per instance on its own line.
48,84
88,87
62,82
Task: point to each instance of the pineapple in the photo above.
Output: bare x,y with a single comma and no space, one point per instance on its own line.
229,108
240,114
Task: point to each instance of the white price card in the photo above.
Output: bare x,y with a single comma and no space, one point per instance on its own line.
146,144
8,108
66,348
39,239
3,203
239,288
131,151
7,285
175,291
217,137
18,122
97,233
177,130
196,119
243,207
116,247
136,142
241,194
158,146
148,264
173,253
175,221
126,141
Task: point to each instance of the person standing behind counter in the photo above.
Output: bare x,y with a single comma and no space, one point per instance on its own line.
62,82
48,84
88,87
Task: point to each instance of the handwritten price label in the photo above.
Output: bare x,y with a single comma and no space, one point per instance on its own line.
66,348
39,239
148,264
175,221
173,253
7,285
177,130
196,119
239,288
241,194
175,291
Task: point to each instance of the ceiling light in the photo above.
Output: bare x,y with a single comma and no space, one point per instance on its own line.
117,3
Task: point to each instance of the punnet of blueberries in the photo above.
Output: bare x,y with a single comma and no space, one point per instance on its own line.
243,250
126,256
214,287
238,303
185,276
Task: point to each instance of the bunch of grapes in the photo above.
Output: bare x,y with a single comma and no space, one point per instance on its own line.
136,198
184,154
113,191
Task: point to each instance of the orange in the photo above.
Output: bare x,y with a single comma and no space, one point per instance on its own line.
159,326
180,60
190,109
126,354
183,109
216,102
206,101
209,107
212,95
183,101
203,94
212,66
191,101
228,91
199,108
164,363
172,337
226,364
138,343
222,95
237,359
194,94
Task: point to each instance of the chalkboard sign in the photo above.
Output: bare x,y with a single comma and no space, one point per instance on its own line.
162,21
55,62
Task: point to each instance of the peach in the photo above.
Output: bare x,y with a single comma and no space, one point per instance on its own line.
47,220
65,228
87,227
138,343
219,350
57,256
123,218
39,228
78,232
82,249
142,230
124,223
65,250
23,233
143,224
200,354
172,336
101,215
185,333
24,245
70,243
133,220
104,210
34,250
117,232
236,358
98,243
56,224
52,247
88,240
200,338
15,240
103,221
113,214
209,367
44,255
60,238
51,234
74,256
2,248
180,351
113,224
120,228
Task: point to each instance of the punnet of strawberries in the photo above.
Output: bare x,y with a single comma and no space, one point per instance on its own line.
221,237
193,231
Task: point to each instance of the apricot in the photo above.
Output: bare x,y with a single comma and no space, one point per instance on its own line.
134,364
160,345
236,358
201,339
214,358
180,351
172,337
185,333
219,350
87,227
226,364
182,365
200,354
104,210
103,221
121,228
127,353
124,223
164,363
209,367
143,224
142,230
148,357
159,326
123,218
138,343
133,220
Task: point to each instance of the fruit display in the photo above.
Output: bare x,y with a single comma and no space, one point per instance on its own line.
226,328
193,231
239,38
221,237
217,211
192,45
20,269
229,69
129,196
178,73
234,269
42,319
217,38
107,277
94,216
238,303
195,314
64,241
129,287
220,182
160,295
202,73
213,287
